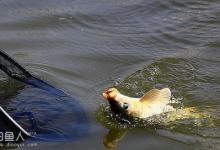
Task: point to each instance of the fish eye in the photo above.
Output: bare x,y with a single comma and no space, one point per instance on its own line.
125,106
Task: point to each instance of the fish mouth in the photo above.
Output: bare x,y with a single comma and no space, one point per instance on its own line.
105,95
114,105
112,102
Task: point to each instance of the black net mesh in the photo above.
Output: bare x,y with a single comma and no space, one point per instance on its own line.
13,69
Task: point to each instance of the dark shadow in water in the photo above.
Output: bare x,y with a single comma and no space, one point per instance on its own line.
45,111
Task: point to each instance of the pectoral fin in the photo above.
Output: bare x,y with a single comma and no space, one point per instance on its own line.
157,95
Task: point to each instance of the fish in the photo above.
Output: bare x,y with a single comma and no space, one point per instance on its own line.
152,105
154,102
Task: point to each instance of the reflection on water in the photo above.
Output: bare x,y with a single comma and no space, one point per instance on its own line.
82,47
113,137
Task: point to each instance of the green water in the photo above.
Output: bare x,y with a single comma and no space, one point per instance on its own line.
191,87
85,46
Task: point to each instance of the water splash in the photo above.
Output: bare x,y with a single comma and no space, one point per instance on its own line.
188,82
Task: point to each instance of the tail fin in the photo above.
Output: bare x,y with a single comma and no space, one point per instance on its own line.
190,110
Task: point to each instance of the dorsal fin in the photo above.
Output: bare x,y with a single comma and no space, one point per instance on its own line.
150,95
157,95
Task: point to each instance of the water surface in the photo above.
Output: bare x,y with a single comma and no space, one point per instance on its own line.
83,47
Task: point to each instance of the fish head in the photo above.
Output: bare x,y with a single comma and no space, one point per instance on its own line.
110,93
120,104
